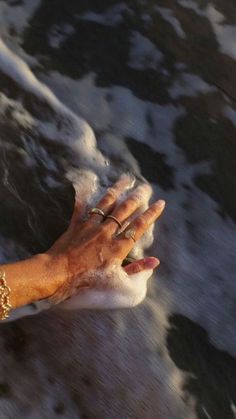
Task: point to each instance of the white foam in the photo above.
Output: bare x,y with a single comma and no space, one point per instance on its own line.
167,14
110,288
77,133
206,413
191,4
233,408
189,292
203,265
111,17
230,113
143,53
18,112
59,34
124,114
16,17
225,34
20,72
189,85
191,287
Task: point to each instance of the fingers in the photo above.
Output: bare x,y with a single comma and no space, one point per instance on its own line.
77,213
141,265
108,201
141,224
130,205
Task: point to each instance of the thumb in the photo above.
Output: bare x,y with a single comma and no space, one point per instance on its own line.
141,265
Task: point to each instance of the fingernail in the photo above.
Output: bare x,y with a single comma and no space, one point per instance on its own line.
152,263
161,203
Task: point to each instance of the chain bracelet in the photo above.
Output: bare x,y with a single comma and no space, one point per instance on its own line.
5,305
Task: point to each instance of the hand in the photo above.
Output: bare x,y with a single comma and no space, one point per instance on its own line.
91,251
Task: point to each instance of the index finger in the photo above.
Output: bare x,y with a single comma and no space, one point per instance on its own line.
108,201
127,208
140,224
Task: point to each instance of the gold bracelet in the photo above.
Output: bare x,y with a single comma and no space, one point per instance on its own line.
5,305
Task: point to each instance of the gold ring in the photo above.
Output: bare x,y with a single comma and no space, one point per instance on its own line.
97,211
130,234
115,219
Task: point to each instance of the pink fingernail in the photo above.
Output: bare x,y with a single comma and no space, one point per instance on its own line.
152,263
161,203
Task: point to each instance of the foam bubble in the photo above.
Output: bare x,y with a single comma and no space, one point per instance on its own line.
109,288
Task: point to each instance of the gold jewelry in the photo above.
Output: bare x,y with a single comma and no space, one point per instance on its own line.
122,229
5,305
114,219
97,211
130,234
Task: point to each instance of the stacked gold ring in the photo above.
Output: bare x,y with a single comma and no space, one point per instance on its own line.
129,234
114,219
97,211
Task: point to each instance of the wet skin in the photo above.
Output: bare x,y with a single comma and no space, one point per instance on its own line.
93,243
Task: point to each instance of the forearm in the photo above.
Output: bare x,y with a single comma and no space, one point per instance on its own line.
32,279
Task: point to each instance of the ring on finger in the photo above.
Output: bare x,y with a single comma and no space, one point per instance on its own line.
97,211
114,219
130,234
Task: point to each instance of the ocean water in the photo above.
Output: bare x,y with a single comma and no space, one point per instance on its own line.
90,90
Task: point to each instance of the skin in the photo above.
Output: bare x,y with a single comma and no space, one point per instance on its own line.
88,245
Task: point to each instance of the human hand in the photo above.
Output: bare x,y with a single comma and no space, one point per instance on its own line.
92,251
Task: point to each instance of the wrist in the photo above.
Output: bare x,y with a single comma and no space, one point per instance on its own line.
55,267
65,280
32,279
